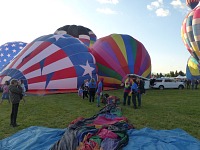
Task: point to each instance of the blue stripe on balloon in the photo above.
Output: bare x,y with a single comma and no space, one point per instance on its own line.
129,52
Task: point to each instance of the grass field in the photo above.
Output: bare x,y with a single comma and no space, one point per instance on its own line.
161,109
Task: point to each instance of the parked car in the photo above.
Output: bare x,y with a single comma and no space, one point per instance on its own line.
167,83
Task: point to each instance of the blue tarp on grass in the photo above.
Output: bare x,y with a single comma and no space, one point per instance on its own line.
41,138
150,139
32,138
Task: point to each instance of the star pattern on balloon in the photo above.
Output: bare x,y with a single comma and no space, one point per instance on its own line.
8,51
87,69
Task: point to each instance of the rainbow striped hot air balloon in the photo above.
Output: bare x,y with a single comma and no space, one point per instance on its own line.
192,3
118,55
190,32
193,69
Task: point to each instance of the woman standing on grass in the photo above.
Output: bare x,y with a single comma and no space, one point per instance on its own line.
5,94
15,92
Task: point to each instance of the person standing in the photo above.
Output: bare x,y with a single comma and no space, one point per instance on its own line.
127,90
99,91
5,94
134,89
85,89
92,88
141,90
15,92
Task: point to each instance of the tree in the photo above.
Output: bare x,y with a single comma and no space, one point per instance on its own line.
172,74
181,73
176,73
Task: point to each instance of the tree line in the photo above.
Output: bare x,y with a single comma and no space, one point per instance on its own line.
170,74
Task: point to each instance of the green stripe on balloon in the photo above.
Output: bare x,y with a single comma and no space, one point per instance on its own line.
109,72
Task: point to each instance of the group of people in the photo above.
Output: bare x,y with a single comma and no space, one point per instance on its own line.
92,88
133,87
191,83
13,92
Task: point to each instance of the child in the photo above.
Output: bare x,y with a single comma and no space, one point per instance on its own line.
21,83
5,94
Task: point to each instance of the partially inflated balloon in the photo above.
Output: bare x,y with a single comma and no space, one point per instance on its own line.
118,55
192,3
193,69
8,51
84,34
190,33
52,62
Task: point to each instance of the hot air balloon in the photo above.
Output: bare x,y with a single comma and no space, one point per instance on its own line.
84,34
52,63
118,55
8,51
190,32
192,3
193,69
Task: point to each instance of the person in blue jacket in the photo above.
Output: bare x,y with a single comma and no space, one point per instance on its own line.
134,90
99,91
92,89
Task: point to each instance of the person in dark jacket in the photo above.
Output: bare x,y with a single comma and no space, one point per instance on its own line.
92,89
15,93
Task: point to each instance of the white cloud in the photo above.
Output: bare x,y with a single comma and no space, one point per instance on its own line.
162,12
108,1
155,5
106,11
178,4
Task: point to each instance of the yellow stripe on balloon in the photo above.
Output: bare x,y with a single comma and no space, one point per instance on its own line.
147,72
120,43
193,68
110,80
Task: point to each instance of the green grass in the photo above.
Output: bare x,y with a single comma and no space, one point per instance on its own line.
167,109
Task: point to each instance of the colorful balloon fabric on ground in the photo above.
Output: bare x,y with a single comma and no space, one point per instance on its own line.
53,62
190,32
118,55
8,51
193,69
84,34
192,3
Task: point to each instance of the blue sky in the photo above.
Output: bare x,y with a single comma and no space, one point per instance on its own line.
155,23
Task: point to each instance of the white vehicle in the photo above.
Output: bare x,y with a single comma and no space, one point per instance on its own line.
167,83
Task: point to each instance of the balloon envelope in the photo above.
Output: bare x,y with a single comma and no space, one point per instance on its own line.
84,34
52,63
8,51
190,32
193,69
192,3
118,55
